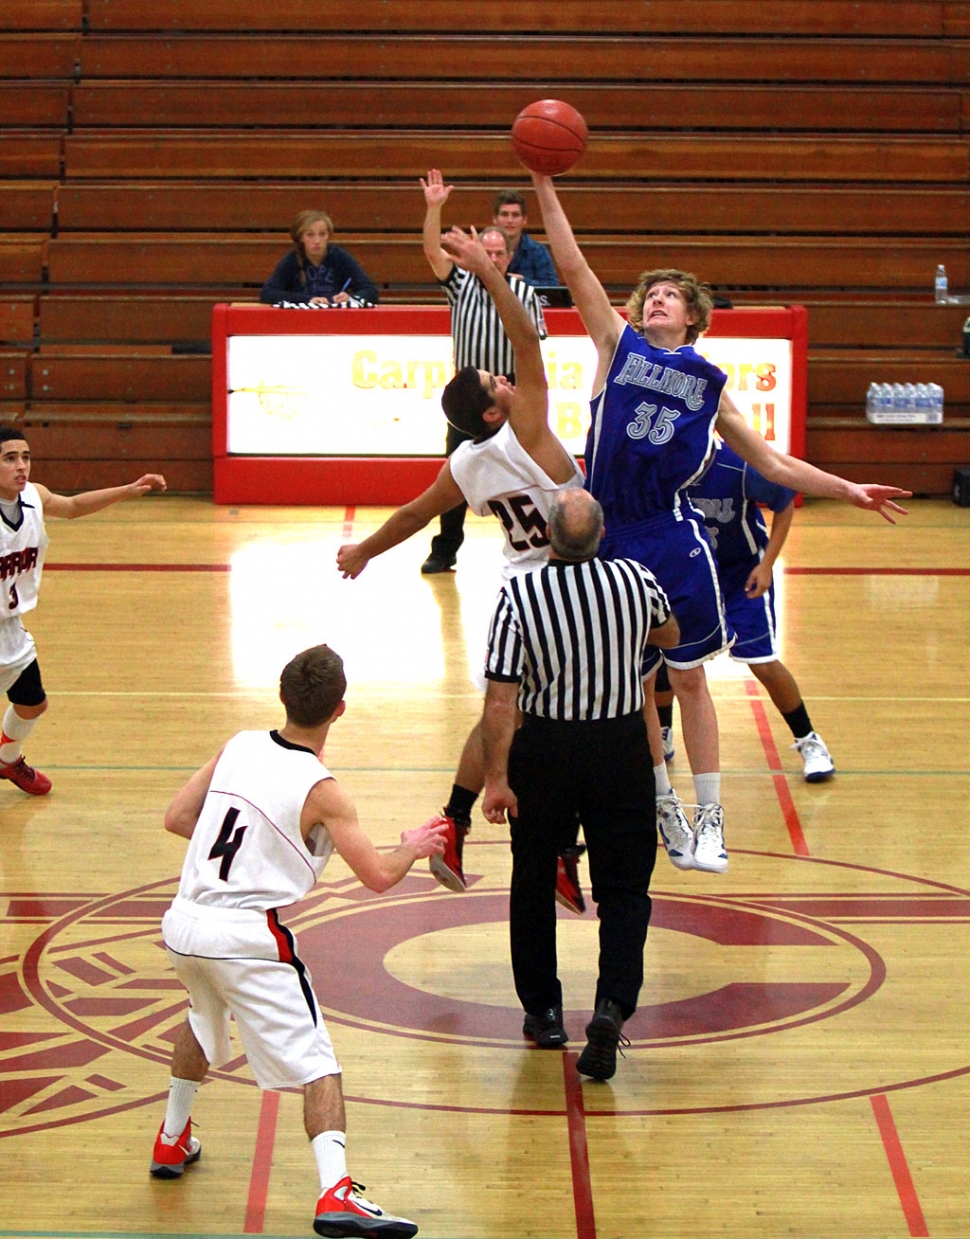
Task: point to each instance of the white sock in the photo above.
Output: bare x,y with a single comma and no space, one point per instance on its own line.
15,732
181,1095
662,779
329,1149
707,788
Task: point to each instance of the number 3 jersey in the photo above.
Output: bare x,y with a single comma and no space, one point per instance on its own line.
498,475
22,548
246,851
652,429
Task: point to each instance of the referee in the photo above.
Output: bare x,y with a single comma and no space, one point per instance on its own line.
565,648
478,337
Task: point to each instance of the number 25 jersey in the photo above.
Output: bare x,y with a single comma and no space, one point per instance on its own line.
498,475
652,429
246,851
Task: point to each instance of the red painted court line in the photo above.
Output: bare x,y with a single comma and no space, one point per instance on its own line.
349,517
262,1160
899,1166
136,567
782,791
578,1151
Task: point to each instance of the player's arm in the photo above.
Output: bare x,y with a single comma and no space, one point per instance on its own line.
441,496
435,196
667,634
330,805
799,474
73,506
498,728
759,578
602,322
183,813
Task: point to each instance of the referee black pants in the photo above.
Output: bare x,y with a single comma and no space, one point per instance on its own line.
603,771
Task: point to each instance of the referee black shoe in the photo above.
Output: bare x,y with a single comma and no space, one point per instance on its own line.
437,563
546,1028
604,1033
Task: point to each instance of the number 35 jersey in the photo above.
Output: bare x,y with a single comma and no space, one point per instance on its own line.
498,475
22,548
246,851
652,429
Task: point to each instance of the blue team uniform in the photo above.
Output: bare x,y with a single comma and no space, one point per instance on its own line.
728,496
651,435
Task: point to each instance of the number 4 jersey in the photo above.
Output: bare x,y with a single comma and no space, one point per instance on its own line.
247,851
498,475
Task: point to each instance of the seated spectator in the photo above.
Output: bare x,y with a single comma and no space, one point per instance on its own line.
530,258
315,272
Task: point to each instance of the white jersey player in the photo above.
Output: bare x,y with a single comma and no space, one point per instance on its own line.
263,818
513,467
23,542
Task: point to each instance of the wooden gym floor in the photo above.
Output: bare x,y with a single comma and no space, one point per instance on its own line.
800,1064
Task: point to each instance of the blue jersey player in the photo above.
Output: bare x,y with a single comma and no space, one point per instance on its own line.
728,495
656,405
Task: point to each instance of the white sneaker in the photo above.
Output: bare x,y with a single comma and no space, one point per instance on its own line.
818,760
709,851
675,831
667,735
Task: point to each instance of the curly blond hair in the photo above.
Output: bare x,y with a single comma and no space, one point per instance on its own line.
700,303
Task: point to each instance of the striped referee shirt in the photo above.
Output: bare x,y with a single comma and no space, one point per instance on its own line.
572,636
477,333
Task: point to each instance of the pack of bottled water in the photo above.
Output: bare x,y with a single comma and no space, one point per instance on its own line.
904,404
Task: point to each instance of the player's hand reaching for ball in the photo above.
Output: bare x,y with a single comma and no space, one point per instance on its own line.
426,840
465,249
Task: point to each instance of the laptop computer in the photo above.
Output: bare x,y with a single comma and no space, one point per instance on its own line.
554,297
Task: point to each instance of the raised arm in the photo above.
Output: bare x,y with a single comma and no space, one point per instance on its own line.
73,506
799,474
328,804
436,194
529,414
441,496
602,322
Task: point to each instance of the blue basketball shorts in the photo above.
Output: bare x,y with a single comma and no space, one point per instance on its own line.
753,619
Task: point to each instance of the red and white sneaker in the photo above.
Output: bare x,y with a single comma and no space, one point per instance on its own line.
26,777
172,1154
446,866
567,880
342,1211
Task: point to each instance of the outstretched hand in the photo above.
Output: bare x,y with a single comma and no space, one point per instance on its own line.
150,481
435,190
464,249
879,499
351,562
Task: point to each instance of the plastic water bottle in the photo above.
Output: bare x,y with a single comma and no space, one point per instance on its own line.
886,399
909,397
940,286
872,400
936,402
923,401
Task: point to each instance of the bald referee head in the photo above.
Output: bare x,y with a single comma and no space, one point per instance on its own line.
575,526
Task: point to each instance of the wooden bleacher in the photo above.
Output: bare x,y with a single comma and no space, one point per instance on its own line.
153,154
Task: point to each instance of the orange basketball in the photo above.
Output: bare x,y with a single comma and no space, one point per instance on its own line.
549,136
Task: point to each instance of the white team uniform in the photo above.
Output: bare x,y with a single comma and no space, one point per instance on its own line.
247,858
22,548
499,476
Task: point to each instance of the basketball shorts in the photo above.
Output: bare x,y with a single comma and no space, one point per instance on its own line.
271,999
680,557
17,651
753,619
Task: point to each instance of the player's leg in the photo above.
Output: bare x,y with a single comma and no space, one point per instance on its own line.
698,720
28,702
664,698
675,830
786,696
468,784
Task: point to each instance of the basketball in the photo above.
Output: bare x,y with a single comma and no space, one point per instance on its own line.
549,136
